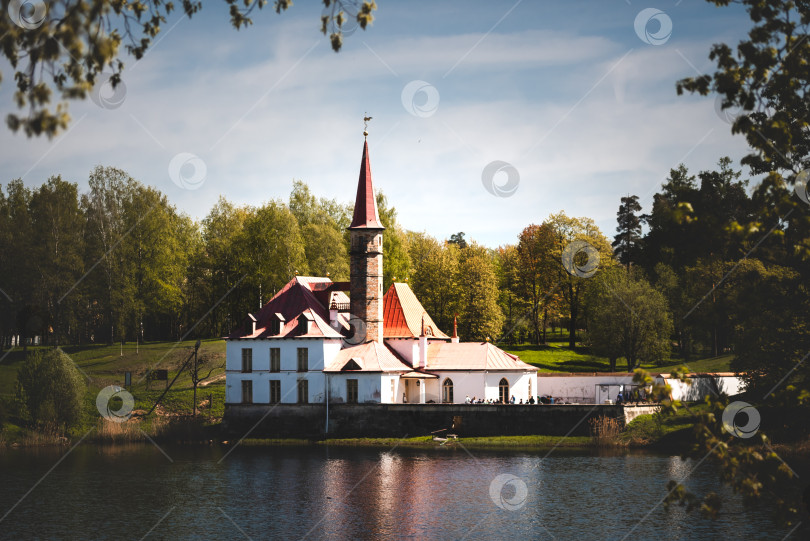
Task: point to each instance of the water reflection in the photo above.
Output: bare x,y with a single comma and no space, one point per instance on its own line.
114,492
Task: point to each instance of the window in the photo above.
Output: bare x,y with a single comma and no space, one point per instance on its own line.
351,391
247,391
275,359
247,360
393,391
503,391
303,391
303,359
530,387
275,391
447,391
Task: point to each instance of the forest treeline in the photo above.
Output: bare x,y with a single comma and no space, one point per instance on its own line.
712,268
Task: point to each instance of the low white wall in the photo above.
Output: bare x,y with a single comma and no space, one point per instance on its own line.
595,389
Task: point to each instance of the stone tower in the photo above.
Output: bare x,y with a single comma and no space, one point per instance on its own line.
366,292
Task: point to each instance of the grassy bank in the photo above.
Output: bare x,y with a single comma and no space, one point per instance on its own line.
492,442
104,365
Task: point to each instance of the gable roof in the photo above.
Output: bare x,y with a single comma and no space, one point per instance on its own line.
402,315
369,357
365,205
472,356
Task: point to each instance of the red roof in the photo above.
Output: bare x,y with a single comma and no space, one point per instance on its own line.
403,313
295,298
365,206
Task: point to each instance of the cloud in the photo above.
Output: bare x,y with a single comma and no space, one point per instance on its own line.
266,106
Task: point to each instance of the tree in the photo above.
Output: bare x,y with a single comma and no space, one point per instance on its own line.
196,369
766,304
223,264
17,262
326,252
510,298
51,389
323,223
434,276
270,251
628,232
536,273
458,239
479,315
694,231
57,249
69,47
627,318
580,242
111,192
764,82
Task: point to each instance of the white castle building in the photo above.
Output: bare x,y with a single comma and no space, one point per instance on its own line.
313,343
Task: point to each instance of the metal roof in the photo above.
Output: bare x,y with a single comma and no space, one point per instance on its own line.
402,315
472,356
365,206
370,357
294,299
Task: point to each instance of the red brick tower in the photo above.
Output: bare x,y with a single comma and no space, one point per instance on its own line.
366,293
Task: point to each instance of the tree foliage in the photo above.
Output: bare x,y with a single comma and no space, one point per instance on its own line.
628,232
50,388
627,318
68,50
536,272
567,232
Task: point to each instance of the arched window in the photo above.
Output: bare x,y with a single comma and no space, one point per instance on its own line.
447,391
503,391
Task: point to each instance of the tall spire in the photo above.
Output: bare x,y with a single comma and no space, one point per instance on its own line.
366,266
365,206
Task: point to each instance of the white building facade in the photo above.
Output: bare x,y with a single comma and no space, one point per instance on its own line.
304,347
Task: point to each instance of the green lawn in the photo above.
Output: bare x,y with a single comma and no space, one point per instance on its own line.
556,356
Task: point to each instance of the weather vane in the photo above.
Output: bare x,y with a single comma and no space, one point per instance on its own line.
365,125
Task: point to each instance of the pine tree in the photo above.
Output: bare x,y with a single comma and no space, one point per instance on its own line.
628,232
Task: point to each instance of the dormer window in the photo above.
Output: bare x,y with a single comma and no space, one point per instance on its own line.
251,322
304,321
276,324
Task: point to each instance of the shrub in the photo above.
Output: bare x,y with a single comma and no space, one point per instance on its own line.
50,389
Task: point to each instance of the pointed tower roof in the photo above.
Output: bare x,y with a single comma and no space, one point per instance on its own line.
365,206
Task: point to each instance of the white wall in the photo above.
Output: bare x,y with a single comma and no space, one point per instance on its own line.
319,349
705,385
481,385
408,348
595,389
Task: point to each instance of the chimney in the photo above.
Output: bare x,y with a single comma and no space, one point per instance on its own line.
423,345
454,338
333,314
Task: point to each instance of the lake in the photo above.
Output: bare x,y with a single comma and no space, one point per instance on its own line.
191,492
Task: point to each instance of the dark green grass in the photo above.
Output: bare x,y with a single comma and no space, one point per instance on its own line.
556,356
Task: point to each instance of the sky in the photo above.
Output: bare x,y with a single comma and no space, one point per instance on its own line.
487,116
